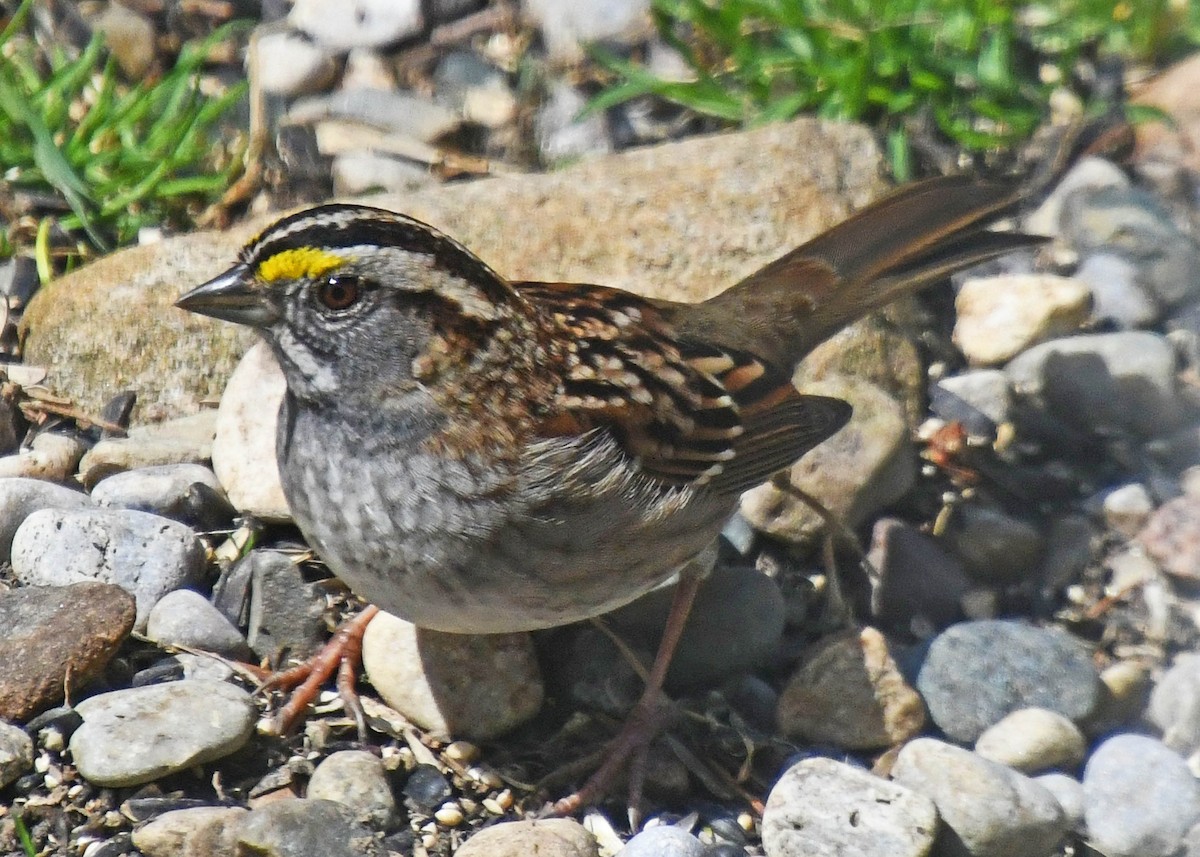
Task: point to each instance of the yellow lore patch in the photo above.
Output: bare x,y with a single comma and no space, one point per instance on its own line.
298,263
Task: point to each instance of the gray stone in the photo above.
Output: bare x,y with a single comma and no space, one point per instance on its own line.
860,470
547,837
287,64
56,640
665,840
16,754
185,440
562,134
146,555
999,317
1136,224
366,171
736,625
202,831
341,25
824,808
356,779
994,547
168,490
305,828
918,585
1116,295
1175,704
139,735
19,498
990,810
1068,552
1104,383
286,612
460,685
977,672
567,27
1127,508
1068,791
1089,173
186,618
1140,798
979,399
1033,740
402,114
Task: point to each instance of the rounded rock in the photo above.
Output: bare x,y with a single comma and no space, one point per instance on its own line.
186,618
168,490
16,754
991,809
665,840
135,736
146,555
998,317
461,685
20,497
243,450
356,779
1032,740
1140,798
305,828
550,837
824,808
975,673
202,831
1175,704
56,640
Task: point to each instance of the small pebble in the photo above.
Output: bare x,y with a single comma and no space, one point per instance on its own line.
1127,508
1032,740
665,840
186,618
1175,704
16,754
356,779
550,837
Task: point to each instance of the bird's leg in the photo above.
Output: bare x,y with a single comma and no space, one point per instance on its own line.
642,724
342,653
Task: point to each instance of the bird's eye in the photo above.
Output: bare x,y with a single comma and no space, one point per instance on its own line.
340,293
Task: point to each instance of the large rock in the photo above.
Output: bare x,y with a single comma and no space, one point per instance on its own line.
682,220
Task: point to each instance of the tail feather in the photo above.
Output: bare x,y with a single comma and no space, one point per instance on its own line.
909,239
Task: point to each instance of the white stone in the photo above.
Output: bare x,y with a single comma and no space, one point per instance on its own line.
1001,316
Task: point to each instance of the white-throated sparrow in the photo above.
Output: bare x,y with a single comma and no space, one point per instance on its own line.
476,455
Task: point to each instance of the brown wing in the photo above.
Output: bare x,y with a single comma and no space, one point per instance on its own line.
688,413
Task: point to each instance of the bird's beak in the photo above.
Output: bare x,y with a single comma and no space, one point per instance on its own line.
232,296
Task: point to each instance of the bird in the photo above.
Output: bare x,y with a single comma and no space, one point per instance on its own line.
481,455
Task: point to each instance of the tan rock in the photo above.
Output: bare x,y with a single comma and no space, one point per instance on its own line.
186,440
858,471
682,220
243,452
547,837
850,693
453,685
1001,316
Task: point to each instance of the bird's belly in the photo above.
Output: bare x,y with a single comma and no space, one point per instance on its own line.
412,542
